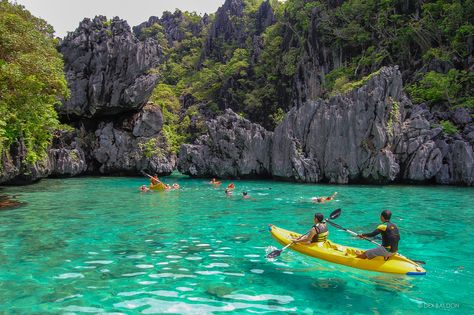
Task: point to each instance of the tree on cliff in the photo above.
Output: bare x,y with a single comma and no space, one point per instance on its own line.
31,80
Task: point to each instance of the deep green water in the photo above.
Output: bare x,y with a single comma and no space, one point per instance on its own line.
98,245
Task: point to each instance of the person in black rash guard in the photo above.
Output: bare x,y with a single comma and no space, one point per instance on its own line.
390,238
318,233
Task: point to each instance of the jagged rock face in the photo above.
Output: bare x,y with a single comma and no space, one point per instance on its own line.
345,138
174,26
16,171
134,144
227,27
234,147
372,134
124,146
264,18
107,69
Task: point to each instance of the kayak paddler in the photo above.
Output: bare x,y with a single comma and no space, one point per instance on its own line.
390,238
154,180
318,233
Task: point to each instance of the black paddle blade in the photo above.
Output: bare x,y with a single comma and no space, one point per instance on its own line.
274,254
335,214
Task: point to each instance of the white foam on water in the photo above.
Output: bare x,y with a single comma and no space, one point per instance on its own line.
131,293
165,293
252,255
68,298
234,274
162,263
219,265
174,257
133,274
85,267
144,266
202,245
135,256
218,255
257,271
147,282
69,275
184,289
194,258
208,272
100,262
170,275
156,306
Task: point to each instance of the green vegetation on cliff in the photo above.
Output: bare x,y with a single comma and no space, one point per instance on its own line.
255,68
31,80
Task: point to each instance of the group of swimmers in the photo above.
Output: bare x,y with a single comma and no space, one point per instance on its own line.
154,180
229,189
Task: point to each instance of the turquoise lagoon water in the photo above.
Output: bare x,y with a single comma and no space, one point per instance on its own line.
98,245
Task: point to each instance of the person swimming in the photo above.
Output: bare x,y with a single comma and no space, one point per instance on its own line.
176,186
228,192
143,188
245,195
324,199
215,182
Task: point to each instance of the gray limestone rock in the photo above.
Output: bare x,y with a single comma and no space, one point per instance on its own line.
372,134
107,69
234,147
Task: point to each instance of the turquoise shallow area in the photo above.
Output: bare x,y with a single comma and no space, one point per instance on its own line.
98,245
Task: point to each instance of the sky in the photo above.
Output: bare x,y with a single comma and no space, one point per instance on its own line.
65,15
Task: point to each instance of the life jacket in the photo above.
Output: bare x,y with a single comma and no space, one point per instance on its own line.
321,233
390,236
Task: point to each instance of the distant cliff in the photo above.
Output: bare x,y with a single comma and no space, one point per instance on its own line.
310,91
110,75
372,134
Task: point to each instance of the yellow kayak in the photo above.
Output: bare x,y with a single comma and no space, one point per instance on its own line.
158,187
345,255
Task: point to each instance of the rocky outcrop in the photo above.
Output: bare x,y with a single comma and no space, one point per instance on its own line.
133,145
372,134
174,25
234,147
123,146
227,27
107,69
17,171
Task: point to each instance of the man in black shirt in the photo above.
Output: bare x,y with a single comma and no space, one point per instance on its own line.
390,238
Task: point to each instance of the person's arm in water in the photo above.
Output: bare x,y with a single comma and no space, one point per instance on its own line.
306,238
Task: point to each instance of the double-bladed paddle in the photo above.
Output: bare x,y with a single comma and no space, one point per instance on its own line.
334,215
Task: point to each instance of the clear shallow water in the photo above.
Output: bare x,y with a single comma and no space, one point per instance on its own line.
98,245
